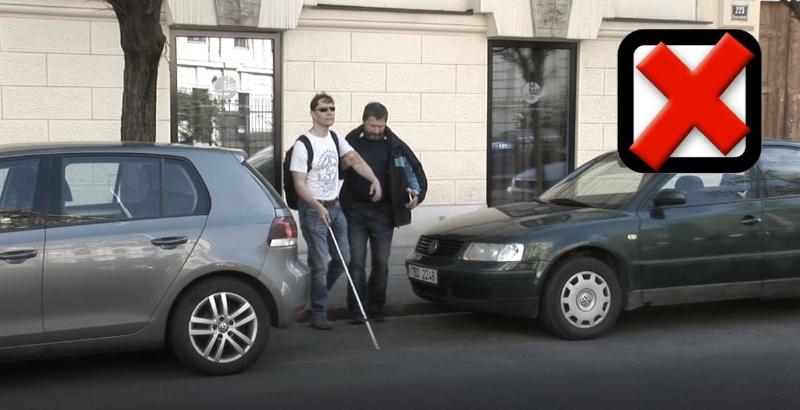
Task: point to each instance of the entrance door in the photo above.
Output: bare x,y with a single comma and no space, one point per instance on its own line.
224,94
532,100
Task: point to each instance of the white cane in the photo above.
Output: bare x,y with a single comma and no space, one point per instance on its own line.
353,286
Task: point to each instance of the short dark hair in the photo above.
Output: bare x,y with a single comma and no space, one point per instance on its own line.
320,97
375,110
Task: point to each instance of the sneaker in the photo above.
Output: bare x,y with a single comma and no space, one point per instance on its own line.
321,324
357,320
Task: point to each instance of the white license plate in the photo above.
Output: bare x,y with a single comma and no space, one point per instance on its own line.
423,274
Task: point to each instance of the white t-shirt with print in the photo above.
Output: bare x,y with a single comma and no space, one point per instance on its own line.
323,178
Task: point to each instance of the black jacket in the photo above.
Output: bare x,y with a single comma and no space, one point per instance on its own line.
397,180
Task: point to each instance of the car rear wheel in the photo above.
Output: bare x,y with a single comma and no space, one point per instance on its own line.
219,326
582,299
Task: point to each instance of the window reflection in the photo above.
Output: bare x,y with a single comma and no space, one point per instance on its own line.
226,92
530,114
781,170
103,189
18,181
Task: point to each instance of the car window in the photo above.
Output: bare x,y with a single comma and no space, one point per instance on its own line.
267,186
712,188
18,179
607,183
183,192
781,170
100,189
3,176
90,183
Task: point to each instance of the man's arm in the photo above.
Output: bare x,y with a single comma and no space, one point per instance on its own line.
305,194
361,168
350,159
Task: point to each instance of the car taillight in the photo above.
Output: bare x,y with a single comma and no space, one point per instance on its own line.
283,232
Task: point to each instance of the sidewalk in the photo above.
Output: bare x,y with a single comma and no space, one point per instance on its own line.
400,299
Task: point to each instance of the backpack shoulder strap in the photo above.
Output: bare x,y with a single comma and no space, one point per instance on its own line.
309,149
336,142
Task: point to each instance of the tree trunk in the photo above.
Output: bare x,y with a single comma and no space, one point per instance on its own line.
142,42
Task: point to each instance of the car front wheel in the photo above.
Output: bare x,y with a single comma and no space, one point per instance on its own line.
582,299
219,326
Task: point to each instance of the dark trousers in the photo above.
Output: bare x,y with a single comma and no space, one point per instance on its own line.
369,223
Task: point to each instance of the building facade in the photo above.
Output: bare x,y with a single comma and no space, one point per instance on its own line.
499,98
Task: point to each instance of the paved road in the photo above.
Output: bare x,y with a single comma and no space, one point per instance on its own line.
742,354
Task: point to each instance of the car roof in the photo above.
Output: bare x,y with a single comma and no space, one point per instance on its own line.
51,148
775,142
764,143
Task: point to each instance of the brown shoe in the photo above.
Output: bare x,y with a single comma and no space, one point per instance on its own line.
321,324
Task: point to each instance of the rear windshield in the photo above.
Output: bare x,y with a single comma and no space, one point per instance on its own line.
273,195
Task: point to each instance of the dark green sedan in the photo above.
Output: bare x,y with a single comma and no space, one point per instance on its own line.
607,239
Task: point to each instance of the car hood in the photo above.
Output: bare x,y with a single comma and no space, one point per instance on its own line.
516,221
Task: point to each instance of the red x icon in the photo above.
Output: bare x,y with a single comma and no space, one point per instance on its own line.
694,100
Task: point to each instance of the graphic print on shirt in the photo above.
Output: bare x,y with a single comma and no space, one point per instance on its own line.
328,166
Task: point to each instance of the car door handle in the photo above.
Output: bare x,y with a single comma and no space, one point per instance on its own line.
170,242
749,220
18,256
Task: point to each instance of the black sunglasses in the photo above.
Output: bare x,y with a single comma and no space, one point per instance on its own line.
333,109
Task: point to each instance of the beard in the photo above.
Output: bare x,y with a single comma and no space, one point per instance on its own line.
371,136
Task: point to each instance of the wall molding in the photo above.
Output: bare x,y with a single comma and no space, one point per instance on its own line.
618,28
314,18
58,9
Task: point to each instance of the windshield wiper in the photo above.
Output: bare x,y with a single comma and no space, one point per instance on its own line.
569,202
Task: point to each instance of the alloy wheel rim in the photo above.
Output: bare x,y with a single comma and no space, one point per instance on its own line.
223,327
585,299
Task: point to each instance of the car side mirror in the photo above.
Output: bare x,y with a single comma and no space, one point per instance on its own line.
669,197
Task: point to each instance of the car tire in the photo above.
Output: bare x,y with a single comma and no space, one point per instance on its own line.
227,342
582,299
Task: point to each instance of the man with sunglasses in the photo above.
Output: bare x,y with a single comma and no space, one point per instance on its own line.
318,205
404,186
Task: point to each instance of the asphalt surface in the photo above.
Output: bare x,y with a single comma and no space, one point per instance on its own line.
400,298
730,355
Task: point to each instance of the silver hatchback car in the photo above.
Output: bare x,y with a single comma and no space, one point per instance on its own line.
120,246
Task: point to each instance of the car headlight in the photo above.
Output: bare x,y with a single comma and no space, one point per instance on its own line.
494,252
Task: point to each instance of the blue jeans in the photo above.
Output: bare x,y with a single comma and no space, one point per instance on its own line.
371,223
323,260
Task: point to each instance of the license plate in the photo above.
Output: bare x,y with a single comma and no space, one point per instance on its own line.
423,274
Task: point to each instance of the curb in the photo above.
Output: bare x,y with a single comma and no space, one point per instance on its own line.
425,308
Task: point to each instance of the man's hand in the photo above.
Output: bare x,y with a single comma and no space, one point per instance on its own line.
414,200
323,214
375,190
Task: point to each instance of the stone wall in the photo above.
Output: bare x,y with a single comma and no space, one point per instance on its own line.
433,83
597,98
597,62
61,75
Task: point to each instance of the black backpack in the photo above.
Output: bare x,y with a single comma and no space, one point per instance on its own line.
288,179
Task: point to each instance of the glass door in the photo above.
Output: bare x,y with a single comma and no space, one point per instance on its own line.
532,100
224,93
